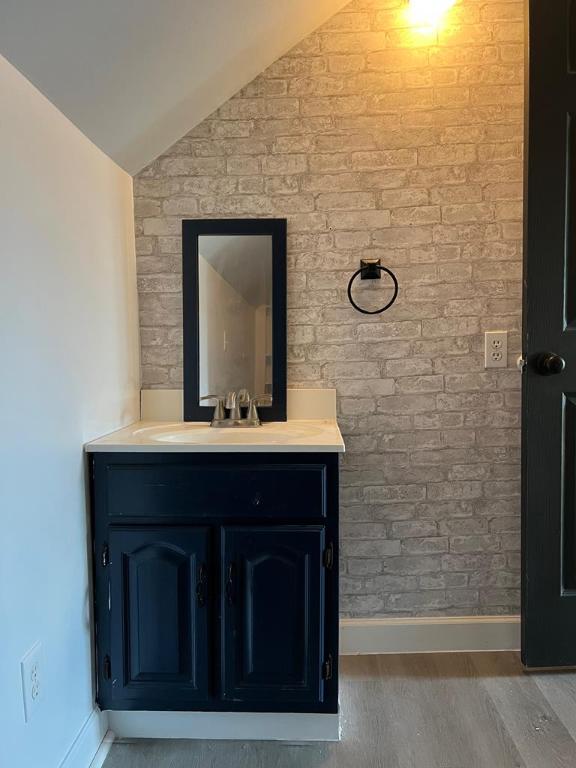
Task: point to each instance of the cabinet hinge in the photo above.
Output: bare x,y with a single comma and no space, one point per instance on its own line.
105,556
107,668
328,557
327,668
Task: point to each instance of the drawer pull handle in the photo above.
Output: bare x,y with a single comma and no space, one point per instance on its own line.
257,500
201,585
230,584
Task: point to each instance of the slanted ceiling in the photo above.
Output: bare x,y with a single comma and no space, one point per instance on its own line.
136,75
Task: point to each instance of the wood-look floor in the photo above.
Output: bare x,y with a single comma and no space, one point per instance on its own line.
418,711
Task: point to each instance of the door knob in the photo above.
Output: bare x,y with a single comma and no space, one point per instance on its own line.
548,364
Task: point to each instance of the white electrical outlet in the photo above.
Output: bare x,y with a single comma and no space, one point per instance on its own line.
32,685
496,349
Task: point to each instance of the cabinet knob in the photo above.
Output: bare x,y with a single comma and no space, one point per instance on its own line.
258,500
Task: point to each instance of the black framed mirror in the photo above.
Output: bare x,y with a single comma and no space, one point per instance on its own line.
234,303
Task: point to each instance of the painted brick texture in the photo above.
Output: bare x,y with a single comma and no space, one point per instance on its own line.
374,139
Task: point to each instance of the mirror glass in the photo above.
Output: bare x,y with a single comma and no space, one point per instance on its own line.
235,314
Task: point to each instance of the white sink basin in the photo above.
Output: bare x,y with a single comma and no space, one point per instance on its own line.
194,434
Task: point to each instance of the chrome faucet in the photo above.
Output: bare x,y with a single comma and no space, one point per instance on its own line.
233,406
234,402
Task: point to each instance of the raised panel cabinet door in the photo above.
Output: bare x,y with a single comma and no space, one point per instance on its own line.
159,624
273,614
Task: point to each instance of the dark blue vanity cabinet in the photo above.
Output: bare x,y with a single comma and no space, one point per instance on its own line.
216,581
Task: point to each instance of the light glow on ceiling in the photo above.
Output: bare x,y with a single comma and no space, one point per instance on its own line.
428,14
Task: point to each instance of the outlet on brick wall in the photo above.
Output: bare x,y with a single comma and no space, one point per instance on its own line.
496,349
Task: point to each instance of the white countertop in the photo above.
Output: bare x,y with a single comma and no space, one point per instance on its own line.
294,436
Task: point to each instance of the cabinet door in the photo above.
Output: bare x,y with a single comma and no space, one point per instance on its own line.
159,625
273,614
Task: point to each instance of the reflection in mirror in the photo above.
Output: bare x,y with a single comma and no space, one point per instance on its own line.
235,313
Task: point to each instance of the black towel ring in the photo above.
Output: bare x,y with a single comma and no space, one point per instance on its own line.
371,269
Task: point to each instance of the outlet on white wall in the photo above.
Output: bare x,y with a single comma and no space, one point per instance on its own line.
32,685
496,349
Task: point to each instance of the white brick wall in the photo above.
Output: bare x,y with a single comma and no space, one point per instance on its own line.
374,140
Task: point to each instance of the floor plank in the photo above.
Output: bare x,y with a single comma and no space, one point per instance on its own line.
216,754
410,711
539,734
424,711
560,690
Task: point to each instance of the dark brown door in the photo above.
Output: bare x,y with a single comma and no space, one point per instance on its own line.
549,382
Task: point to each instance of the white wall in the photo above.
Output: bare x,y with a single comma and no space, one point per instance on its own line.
68,372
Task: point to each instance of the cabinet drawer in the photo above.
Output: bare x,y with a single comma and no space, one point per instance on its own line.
262,491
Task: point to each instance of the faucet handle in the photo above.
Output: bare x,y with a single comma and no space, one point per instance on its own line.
219,412
231,400
253,411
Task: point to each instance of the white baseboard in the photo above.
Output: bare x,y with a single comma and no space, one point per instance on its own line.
243,726
103,750
88,743
430,635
